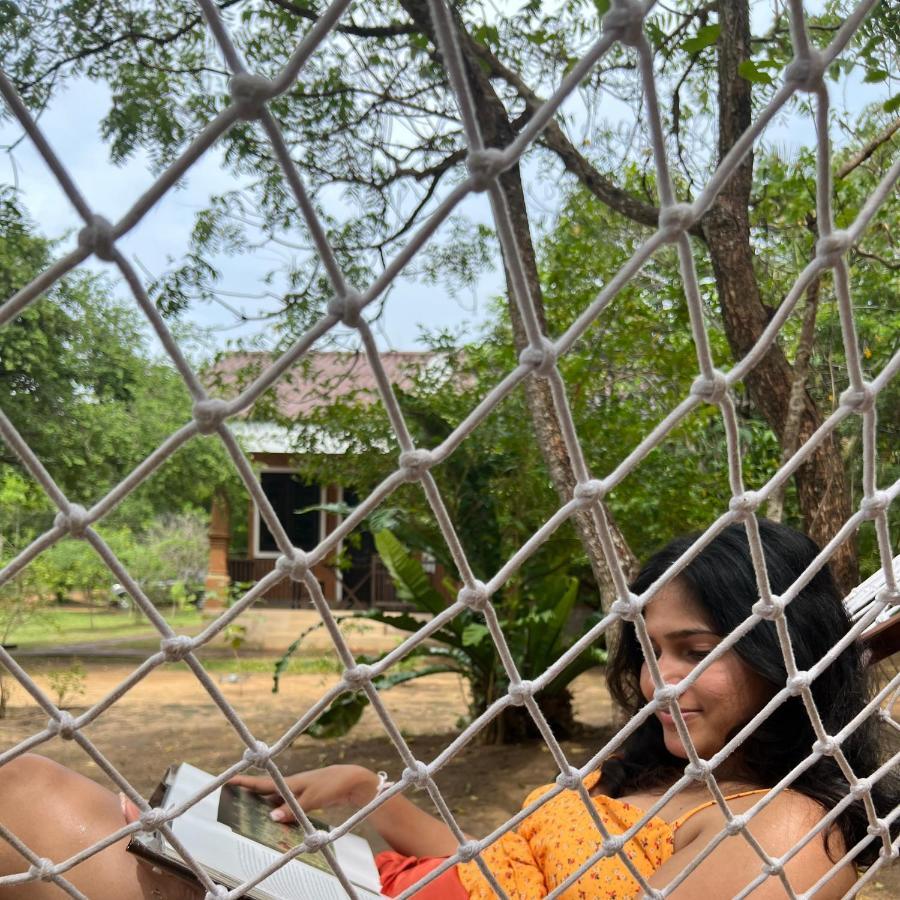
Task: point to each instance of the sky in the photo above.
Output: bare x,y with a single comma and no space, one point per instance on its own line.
72,125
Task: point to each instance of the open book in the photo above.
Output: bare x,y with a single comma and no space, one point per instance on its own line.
230,834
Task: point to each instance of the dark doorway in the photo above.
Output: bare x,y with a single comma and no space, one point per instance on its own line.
288,496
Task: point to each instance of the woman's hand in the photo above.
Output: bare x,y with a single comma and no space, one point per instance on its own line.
317,789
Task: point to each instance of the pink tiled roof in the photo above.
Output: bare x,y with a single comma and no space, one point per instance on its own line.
317,379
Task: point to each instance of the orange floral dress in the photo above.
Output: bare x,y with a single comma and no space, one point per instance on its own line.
556,839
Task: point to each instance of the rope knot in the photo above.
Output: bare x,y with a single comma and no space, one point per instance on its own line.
316,840
75,521
770,610
888,595
176,648
209,414
97,237
358,676
347,308
674,220
587,493
698,771
806,73
859,401
570,780
43,869
613,844
63,725
417,775
474,597
249,93
830,247
744,504
873,506
258,755
666,695
712,389
624,22
541,359
484,166
796,683
861,788
627,608
217,893
467,851
880,829
827,747
773,869
735,825
415,463
520,692
153,819
295,566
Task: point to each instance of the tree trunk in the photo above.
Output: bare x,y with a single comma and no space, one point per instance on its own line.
821,487
497,131
543,414
797,400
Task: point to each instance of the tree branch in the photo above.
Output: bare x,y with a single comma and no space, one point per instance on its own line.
865,152
553,138
369,31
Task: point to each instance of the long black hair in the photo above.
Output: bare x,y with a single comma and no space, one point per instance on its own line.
722,580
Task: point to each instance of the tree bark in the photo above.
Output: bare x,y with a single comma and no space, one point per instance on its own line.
796,401
821,486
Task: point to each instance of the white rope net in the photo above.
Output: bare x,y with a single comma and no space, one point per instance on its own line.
250,93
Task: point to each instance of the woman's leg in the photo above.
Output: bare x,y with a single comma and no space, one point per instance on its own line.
57,812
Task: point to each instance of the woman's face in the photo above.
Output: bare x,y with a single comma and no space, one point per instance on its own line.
728,693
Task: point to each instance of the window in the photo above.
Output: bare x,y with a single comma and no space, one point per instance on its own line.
288,496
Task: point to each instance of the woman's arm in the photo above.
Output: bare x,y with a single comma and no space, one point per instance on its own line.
734,863
405,827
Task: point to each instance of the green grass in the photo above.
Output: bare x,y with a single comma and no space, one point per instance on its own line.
299,665
68,626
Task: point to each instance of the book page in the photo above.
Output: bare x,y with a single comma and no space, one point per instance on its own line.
241,859
247,814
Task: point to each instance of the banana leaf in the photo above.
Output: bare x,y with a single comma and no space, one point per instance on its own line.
410,578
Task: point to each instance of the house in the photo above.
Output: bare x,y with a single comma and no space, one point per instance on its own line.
271,442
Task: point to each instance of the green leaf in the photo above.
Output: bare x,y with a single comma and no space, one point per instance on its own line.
705,37
749,71
875,76
893,104
602,7
410,578
474,634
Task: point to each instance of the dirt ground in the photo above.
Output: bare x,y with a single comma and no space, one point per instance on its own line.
169,717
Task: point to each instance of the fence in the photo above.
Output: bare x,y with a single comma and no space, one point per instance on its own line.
251,93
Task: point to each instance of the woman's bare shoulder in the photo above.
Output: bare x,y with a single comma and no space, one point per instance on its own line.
786,821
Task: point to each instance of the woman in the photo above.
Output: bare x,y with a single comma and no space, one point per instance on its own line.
685,621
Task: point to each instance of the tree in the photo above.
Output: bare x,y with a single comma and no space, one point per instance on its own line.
373,112
80,385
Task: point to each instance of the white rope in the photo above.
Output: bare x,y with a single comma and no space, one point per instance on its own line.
250,93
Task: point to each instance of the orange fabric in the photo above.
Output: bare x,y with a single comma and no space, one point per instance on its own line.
398,872
556,839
